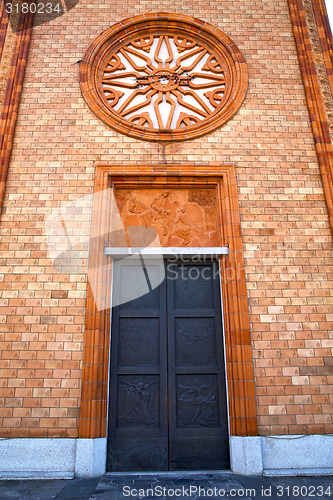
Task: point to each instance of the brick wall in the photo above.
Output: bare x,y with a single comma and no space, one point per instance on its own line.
286,234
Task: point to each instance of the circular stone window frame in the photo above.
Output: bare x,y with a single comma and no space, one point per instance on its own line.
142,25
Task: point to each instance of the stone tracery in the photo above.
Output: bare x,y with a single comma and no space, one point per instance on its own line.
180,83
163,78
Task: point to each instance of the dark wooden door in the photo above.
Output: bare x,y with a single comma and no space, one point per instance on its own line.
138,419
168,407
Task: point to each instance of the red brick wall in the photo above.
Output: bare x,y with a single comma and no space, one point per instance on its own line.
285,229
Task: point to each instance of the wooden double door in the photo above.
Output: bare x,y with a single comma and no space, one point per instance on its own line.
167,401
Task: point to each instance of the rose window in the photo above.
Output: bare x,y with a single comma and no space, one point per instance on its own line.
161,78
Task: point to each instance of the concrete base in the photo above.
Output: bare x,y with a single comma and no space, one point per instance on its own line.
51,458
90,457
56,458
297,455
7,476
246,455
37,458
282,455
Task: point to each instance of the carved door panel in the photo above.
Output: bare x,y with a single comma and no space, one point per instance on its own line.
198,423
167,383
138,426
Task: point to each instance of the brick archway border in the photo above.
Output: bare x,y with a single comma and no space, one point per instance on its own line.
95,371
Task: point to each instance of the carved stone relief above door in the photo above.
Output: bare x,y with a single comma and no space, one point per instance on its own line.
181,217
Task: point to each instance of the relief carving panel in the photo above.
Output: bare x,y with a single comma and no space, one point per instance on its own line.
196,401
181,217
195,341
138,401
139,342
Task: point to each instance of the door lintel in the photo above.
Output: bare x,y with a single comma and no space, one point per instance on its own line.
209,252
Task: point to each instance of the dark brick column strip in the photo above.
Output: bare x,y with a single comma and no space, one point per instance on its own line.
12,95
4,18
314,100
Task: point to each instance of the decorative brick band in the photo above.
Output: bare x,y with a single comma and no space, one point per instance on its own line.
242,408
314,99
13,94
4,19
325,36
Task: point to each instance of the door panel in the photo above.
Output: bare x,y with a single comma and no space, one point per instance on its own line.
139,345
137,403
138,432
198,423
195,341
167,389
